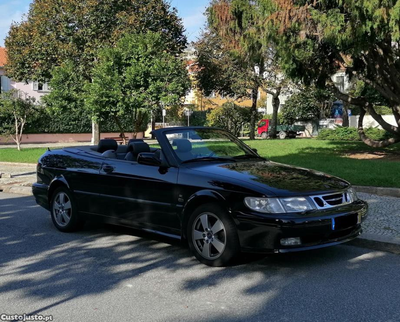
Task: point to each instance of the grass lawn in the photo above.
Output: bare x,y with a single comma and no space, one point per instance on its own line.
29,155
327,156
335,158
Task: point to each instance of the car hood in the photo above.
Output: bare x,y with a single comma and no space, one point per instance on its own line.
273,178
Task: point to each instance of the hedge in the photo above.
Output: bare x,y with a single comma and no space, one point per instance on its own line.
76,122
351,134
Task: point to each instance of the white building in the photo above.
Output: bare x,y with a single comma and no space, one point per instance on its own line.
28,89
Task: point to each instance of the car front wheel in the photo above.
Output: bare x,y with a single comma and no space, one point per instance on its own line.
212,236
63,211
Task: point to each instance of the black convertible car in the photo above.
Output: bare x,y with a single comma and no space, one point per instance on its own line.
202,185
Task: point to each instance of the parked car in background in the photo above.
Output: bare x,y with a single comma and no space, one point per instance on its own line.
283,131
202,185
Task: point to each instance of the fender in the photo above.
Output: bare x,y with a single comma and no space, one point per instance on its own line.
205,193
56,182
197,199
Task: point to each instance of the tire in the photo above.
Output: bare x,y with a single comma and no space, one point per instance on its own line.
264,135
63,211
282,135
217,244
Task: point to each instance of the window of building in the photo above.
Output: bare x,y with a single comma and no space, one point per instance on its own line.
5,84
41,87
340,83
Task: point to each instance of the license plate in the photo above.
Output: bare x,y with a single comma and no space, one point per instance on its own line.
345,222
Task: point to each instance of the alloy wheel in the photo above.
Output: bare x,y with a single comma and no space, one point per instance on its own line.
62,209
209,236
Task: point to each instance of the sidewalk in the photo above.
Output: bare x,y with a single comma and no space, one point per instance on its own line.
381,228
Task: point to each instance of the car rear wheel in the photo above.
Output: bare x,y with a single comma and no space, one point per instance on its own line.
63,210
212,236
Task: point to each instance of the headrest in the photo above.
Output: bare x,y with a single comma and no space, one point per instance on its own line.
183,145
134,140
107,144
138,147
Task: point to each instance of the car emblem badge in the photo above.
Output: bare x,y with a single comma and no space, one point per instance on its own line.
333,224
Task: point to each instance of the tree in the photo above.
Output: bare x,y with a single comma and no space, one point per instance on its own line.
135,75
15,111
315,39
235,60
229,116
309,104
59,33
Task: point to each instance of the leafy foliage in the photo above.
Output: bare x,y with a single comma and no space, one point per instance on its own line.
74,30
60,41
315,39
137,74
76,121
15,111
351,134
229,116
306,105
234,59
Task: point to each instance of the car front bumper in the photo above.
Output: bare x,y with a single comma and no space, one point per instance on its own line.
259,233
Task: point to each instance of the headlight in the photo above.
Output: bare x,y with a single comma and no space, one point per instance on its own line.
277,205
296,204
266,205
351,195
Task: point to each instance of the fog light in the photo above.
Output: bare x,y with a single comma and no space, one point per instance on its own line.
291,241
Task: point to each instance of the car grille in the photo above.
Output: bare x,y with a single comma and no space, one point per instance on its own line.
330,200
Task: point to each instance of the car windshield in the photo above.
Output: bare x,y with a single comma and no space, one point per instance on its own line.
206,144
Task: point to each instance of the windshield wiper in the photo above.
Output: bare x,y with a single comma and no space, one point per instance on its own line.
248,156
210,159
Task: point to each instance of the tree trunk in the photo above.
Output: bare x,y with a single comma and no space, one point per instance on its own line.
345,114
121,130
153,124
370,142
275,108
95,133
17,134
367,106
253,111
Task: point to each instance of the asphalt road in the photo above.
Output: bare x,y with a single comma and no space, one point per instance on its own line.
103,273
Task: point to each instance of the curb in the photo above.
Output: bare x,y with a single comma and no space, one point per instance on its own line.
377,242
18,164
380,191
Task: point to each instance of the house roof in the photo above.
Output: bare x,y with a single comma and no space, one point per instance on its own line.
3,56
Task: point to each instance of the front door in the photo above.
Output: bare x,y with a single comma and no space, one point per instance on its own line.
140,195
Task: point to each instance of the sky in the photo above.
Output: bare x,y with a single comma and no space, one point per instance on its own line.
191,12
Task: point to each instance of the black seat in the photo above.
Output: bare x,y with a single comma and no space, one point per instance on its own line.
135,148
110,154
122,151
183,149
134,140
107,144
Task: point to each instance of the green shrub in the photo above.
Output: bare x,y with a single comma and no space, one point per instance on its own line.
351,134
77,121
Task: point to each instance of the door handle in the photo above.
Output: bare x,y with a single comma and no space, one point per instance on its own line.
108,168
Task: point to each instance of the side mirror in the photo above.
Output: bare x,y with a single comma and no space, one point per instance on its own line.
255,150
148,158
